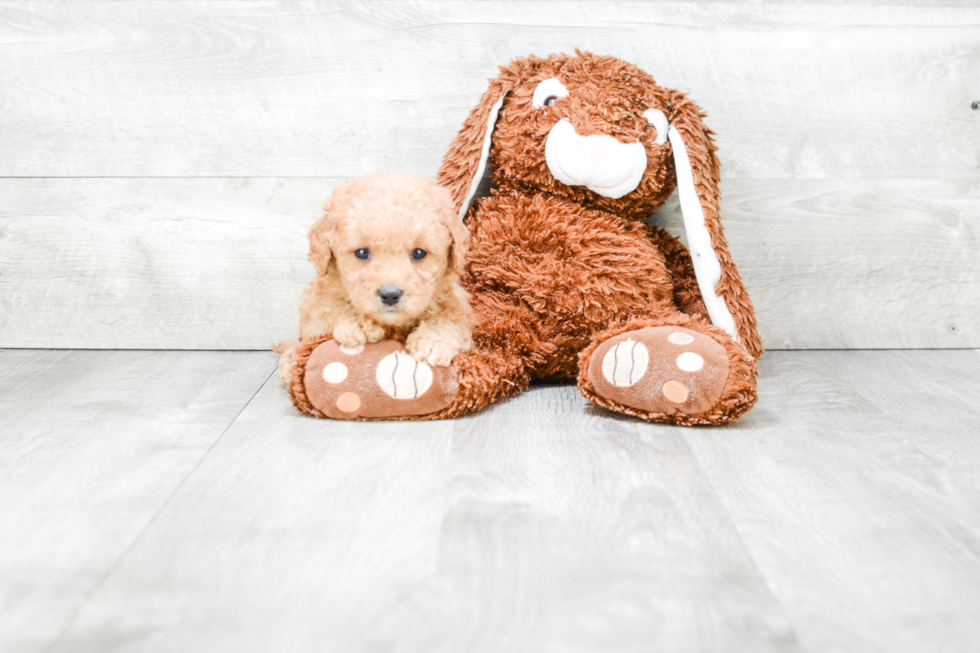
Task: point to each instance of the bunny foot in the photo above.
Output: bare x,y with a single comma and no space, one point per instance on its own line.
373,381
664,374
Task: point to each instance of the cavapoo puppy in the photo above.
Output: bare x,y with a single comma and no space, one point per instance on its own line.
388,253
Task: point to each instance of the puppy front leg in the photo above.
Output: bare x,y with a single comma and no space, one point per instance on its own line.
351,331
437,340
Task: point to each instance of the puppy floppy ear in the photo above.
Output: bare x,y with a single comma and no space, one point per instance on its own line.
461,242
698,176
320,234
465,163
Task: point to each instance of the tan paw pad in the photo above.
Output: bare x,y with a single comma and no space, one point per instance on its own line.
348,402
675,392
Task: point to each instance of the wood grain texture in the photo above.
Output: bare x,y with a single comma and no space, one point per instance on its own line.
162,263
334,89
841,514
848,3
92,445
859,264
853,486
220,263
539,525
846,138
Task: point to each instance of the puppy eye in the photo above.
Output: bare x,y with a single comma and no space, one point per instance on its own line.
418,254
548,92
362,254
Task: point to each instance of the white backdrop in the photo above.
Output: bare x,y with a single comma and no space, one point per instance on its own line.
162,161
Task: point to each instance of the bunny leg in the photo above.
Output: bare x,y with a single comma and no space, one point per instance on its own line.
678,369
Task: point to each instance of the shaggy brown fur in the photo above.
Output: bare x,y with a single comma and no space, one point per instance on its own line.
555,270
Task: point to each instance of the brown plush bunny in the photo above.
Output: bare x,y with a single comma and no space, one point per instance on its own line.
566,280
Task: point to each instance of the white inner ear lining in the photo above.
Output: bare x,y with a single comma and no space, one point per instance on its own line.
484,155
707,269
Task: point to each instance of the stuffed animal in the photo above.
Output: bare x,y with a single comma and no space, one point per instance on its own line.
566,280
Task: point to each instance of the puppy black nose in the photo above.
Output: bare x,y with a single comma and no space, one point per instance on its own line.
389,295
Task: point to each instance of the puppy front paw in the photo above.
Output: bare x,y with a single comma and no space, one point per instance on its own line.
436,342
372,331
351,333
431,350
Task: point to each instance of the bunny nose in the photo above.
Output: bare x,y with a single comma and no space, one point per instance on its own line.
389,295
601,148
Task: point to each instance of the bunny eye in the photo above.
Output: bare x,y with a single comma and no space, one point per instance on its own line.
657,120
548,92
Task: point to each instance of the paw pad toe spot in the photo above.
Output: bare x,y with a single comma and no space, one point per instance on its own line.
690,362
335,373
680,338
675,392
352,351
348,402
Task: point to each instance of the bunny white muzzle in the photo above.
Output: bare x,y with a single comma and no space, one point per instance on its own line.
601,163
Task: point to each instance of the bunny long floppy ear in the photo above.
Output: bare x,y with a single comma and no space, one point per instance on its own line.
698,175
465,162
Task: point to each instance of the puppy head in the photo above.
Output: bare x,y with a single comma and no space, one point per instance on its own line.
392,240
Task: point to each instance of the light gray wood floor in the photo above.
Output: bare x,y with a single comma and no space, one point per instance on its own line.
174,501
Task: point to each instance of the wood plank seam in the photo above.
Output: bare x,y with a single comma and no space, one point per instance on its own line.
135,540
734,525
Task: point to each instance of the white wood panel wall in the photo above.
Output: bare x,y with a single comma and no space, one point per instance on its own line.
160,162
